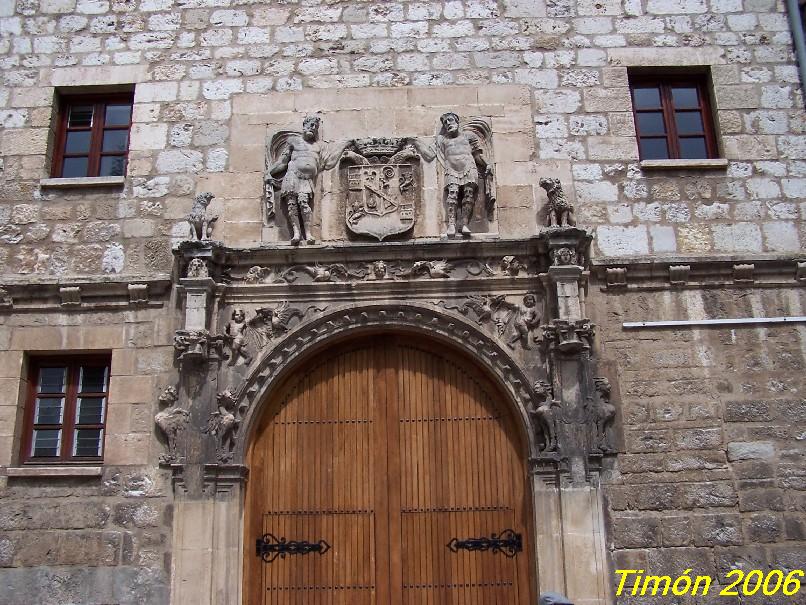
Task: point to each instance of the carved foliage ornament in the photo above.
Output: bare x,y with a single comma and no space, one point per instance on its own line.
521,320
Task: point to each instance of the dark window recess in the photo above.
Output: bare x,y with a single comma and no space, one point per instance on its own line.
673,118
93,136
66,410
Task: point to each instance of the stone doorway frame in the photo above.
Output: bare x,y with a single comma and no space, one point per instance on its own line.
568,521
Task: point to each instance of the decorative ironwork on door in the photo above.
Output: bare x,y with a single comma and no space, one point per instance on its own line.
269,547
507,542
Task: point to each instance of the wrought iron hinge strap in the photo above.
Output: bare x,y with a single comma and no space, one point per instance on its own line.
269,547
507,542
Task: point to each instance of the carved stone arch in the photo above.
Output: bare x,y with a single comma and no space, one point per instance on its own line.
310,336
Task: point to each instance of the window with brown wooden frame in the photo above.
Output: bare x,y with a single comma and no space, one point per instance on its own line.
92,137
65,412
673,117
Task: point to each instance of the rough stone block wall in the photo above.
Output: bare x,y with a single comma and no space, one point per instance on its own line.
712,476
99,539
191,60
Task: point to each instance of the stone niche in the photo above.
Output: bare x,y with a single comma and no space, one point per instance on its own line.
385,114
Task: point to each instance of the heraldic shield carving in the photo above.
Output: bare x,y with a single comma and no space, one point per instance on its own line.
382,187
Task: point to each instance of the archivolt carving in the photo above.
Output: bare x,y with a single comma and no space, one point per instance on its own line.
442,324
520,319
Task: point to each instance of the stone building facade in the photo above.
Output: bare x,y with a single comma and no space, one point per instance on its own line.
676,445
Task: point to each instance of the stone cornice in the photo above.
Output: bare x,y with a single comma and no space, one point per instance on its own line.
692,272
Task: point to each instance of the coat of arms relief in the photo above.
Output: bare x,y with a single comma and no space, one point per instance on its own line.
381,179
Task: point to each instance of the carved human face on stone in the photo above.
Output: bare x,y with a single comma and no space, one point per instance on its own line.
238,316
450,122
310,129
529,300
379,269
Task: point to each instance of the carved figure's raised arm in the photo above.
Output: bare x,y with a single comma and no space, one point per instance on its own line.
333,153
426,151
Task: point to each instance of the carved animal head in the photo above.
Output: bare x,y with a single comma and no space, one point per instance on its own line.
543,390
602,387
551,185
169,396
203,199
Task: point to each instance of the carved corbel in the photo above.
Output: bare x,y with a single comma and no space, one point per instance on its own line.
6,302
70,295
172,422
679,274
138,294
196,347
744,274
568,336
616,277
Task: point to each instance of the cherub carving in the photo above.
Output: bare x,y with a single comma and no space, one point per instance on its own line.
603,414
563,256
223,424
527,318
560,210
201,225
543,412
171,421
197,268
236,335
294,161
459,150
378,271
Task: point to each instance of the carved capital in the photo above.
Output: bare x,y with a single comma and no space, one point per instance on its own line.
568,337
196,347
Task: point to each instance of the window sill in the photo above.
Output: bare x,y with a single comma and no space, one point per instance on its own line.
683,164
54,471
85,181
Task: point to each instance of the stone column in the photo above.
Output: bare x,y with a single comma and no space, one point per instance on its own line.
569,512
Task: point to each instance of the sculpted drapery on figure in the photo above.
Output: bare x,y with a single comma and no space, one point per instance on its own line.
294,161
460,153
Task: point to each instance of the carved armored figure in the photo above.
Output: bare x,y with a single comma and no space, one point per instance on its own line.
603,414
302,157
461,156
201,225
236,334
560,210
543,413
171,421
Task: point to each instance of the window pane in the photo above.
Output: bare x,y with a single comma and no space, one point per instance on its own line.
49,410
115,140
78,142
654,149
118,115
90,410
685,96
688,122
650,123
74,167
51,380
87,442
646,98
693,149
93,379
80,115
46,443
113,166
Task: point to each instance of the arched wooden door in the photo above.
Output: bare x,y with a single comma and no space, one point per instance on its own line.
387,449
